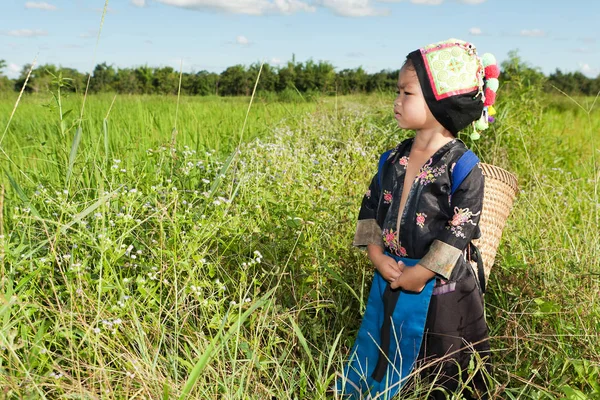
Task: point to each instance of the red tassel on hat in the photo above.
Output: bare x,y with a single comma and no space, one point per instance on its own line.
492,71
490,97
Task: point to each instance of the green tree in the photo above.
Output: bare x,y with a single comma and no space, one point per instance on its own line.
234,81
286,77
103,78
305,76
383,81
40,79
126,82
352,81
515,70
595,86
572,83
268,77
144,76
5,83
77,80
202,83
165,80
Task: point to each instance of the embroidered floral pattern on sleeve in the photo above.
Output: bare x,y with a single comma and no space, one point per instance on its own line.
428,174
461,217
403,161
421,219
390,239
387,197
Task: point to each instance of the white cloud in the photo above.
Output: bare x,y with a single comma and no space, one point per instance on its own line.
26,33
40,6
249,7
275,61
533,32
434,2
427,2
589,71
13,71
353,8
242,40
139,3
475,31
345,8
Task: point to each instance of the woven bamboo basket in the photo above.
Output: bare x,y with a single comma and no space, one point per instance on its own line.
499,194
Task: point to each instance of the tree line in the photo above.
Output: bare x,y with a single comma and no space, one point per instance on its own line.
295,77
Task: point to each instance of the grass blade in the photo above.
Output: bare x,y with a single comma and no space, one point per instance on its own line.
105,129
73,154
303,342
21,194
217,342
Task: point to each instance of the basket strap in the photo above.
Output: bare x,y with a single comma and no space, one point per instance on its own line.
463,167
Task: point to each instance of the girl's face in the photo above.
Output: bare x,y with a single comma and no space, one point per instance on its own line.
410,108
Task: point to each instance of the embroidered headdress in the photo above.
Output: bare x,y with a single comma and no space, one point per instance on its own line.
459,86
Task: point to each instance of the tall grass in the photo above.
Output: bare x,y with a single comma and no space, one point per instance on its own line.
148,273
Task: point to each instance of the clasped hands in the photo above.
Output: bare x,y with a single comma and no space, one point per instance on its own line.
412,279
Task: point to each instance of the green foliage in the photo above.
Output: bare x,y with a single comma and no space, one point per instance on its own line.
199,266
105,77
574,83
234,81
516,69
309,77
5,84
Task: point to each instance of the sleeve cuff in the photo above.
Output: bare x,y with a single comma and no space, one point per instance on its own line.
441,258
367,232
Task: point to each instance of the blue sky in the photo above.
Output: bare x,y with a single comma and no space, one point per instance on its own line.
214,34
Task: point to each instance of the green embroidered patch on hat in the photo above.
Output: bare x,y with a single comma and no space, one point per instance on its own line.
453,68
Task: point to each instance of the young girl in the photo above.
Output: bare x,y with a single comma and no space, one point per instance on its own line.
425,306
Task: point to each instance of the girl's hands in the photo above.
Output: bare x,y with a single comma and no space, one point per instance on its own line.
388,267
413,279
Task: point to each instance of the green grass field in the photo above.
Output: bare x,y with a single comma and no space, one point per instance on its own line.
200,248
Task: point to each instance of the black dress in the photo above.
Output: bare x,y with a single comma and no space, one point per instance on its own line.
436,228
